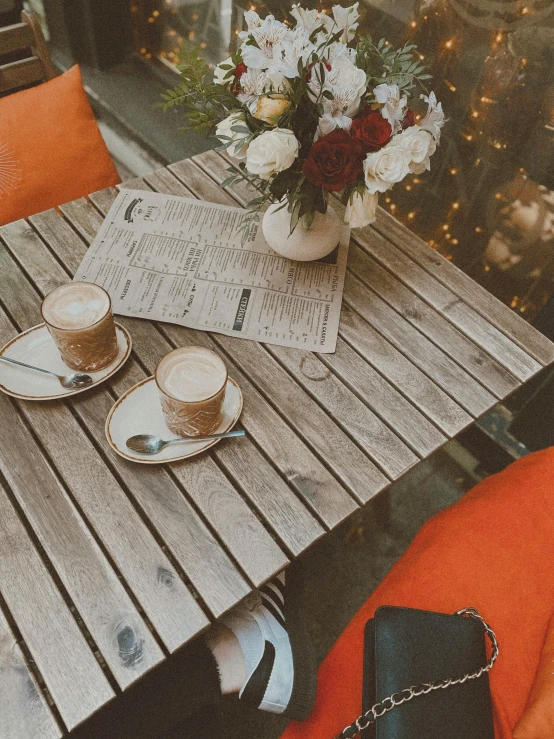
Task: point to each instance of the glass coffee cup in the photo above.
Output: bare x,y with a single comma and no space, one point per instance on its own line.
192,383
80,321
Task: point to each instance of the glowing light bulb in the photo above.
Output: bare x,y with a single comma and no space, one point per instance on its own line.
408,188
475,114
411,215
499,37
445,227
156,13
450,86
455,241
456,205
449,44
453,171
478,229
413,24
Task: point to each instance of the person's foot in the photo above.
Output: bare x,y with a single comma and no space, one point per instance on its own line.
280,670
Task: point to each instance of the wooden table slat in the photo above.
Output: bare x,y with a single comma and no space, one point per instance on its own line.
420,389
475,295
422,352
463,316
107,610
24,712
309,478
126,557
437,328
318,429
314,373
259,556
68,667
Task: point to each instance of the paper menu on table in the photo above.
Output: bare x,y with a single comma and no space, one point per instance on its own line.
180,260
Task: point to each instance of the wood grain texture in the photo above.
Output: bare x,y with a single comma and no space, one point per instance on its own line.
67,665
24,712
350,370
480,299
317,427
165,599
259,556
287,450
15,37
110,615
425,395
302,470
437,328
365,475
464,317
192,545
17,74
427,356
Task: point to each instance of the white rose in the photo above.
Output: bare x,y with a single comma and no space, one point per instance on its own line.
220,74
235,147
361,210
385,167
420,145
272,152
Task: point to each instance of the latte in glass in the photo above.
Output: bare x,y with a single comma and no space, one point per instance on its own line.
79,318
192,382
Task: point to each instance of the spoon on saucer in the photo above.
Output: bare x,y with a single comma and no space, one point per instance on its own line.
150,444
70,382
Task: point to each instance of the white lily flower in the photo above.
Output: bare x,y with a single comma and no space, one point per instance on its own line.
339,111
361,210
257,82
252,84
308,19
343,74
267,36
434,119
253,21
393,105
296,47
344,19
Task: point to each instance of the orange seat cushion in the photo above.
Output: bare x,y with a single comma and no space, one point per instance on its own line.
493,550
51,150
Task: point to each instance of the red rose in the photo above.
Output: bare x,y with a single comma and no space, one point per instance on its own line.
237,73
372,130
239,70
409,119
334,161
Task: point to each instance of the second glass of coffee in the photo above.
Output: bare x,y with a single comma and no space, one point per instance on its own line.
79,318
192,383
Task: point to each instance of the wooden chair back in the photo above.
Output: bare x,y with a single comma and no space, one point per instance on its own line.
36,68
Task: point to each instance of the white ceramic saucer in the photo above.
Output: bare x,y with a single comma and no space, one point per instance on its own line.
36,346
139,411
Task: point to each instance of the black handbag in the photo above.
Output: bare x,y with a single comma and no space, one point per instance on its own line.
425,676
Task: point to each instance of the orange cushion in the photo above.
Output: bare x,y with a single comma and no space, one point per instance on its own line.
51,150
493,550
537,721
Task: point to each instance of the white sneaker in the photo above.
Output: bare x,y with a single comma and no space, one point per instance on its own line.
277,653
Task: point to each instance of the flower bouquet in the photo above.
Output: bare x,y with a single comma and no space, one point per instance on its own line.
303,109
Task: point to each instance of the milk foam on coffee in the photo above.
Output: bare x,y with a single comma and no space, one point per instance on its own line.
192,374
76,305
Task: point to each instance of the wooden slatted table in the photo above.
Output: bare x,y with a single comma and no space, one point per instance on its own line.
107,568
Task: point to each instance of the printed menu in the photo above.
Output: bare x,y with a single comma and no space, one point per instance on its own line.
197,264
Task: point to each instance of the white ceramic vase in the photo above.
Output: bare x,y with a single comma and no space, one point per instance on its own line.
303,245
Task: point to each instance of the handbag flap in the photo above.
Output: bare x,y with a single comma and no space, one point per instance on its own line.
414,647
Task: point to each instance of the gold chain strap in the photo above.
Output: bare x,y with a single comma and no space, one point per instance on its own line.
414,691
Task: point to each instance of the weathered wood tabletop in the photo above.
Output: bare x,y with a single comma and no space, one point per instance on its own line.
107,568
